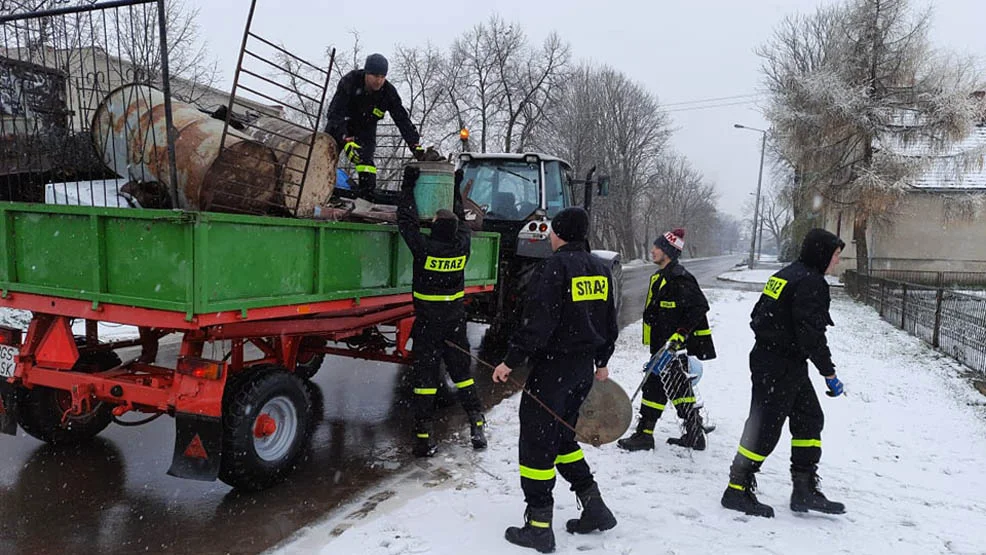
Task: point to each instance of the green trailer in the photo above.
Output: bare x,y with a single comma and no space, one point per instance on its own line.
293,289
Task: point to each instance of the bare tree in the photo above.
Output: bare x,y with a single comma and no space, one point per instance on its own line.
872,88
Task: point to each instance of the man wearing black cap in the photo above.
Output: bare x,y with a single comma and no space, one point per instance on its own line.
789,322
674,315
568,333
361,100
438,285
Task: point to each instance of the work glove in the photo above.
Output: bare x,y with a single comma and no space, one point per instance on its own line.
677,341
835,387
418,152
351,149
411,174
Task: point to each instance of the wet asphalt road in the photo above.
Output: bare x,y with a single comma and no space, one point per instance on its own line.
113,495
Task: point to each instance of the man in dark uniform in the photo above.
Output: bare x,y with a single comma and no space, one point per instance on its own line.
674,314
361,100
789,322
568,333
438,283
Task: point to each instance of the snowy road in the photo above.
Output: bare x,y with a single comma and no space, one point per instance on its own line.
904,450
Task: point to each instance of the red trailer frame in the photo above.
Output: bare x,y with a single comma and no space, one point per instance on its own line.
193,391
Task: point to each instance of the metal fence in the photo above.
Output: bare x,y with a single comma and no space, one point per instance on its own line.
952,322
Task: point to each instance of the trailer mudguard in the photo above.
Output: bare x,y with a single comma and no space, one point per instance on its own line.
198,447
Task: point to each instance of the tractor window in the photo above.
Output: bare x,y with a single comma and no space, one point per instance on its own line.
505,190
556,190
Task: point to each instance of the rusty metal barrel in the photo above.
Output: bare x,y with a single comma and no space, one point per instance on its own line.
291,145
128,131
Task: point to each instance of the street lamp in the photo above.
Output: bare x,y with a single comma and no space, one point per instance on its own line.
756,206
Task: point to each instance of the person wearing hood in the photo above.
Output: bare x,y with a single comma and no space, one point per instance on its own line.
438,289
789,321
674,315
568,334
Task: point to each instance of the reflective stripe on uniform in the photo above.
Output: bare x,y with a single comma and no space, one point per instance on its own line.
806,443
378,112
736,486
465,383
569,458
439,298
366,169
668,304
650,295
535,474
539,524
423,436
651,404
683,400
751,455
649,432
425,390
702,332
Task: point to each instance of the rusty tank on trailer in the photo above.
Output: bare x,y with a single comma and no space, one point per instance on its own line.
291,144
128,131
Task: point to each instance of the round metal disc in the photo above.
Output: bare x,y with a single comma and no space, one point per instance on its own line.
605,415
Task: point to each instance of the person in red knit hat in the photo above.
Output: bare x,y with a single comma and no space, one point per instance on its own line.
674,315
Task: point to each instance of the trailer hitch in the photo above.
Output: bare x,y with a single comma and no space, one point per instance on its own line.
82,405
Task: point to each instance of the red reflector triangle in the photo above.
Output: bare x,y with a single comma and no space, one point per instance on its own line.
195,449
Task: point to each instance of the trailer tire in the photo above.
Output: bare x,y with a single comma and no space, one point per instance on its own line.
40,409
267,421
307,370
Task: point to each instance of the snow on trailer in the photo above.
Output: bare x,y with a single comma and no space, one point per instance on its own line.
291,289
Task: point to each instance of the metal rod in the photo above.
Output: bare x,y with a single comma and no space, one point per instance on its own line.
318,121
276,47
73,9
276,84
236,76
275,66
516,383
168,119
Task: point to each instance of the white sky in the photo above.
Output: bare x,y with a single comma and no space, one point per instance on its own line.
681,50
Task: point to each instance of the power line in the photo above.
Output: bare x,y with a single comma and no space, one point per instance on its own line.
708,100
691,108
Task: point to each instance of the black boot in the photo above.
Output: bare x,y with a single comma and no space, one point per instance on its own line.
805,495
595,514
477,431
424,441
740,495
536,532
642,439
694,436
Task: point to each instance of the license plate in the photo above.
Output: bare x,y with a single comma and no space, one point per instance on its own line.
7,364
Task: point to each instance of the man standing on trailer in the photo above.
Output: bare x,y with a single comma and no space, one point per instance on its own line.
361,100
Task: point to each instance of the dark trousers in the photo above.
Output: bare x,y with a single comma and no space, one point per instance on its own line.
545,444
674,385
366,169
430,349
782,391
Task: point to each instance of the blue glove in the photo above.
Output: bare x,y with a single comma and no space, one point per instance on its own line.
659,362
835,387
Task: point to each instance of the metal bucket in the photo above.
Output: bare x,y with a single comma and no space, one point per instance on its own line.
435,188
129,133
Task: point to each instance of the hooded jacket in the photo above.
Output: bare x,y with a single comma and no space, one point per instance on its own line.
792,314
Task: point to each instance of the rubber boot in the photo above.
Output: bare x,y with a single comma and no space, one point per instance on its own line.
694,436
595,514
424,441
642,439
740,495
477,431
536,533
805,496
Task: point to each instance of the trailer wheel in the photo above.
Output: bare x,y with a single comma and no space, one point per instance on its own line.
267,420
40,410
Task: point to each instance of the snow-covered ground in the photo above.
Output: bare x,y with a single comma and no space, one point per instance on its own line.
905,449
20,319
761,275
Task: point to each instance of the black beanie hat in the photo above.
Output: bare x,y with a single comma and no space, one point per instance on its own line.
672,243
817,248
571,224
445,225
376,64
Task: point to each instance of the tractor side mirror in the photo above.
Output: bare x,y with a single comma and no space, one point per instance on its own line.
603,186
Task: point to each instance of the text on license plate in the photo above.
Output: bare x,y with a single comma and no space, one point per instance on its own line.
7,364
